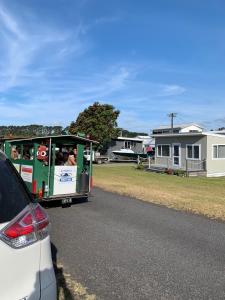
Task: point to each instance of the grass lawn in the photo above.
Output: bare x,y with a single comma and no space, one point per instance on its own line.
197,194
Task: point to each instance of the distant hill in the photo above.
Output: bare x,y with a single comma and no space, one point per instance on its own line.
131,134
29,130
41,130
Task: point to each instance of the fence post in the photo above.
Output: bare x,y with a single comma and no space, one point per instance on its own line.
186,167
138,160
204,164
149,162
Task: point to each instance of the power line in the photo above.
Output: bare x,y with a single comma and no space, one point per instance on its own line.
172,116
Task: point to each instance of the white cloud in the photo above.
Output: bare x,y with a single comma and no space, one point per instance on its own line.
171,90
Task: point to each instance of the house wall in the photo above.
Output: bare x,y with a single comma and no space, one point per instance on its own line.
183,141
215,167
116,145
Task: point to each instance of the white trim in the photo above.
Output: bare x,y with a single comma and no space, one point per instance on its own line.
201,134
123,138
217,158
192,145
176,144
215,174
161,150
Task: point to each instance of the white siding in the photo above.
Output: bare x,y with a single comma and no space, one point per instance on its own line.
191,128
215,167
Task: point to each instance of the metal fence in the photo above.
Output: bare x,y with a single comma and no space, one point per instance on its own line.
195,165
190,165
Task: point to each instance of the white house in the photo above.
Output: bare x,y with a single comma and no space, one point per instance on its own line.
191,149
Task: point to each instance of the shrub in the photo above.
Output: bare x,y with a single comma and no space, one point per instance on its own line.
140,166
179,173
169,171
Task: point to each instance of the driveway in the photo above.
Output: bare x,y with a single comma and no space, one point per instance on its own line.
122,248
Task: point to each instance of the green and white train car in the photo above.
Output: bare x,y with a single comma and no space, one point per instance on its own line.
41,163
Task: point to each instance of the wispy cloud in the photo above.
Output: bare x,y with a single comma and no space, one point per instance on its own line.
63,99
171,90
22,48
10,24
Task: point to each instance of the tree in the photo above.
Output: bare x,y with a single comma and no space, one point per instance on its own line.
29,130
99,121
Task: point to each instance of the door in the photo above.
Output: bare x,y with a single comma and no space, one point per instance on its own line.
176,155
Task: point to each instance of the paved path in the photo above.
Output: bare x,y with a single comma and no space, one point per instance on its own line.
121,248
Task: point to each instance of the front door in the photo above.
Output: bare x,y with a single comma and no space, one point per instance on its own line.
176,155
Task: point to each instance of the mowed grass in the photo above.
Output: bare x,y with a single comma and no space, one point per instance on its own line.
196,194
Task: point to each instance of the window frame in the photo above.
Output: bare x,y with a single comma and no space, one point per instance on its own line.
193,145
162,156
217,158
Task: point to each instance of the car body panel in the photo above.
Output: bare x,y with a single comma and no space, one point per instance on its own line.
49,293
19,275
47,275
26,273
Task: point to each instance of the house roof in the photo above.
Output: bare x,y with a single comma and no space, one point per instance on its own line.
206,133
218,131
143,137
60,138
178,126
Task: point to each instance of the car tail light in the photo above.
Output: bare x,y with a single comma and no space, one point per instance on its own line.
34,186
27,228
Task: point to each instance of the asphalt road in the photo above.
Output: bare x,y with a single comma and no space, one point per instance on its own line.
122,248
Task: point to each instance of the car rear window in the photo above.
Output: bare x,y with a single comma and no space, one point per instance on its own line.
13,196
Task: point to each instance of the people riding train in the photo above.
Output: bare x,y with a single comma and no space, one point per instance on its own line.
66,157
14,153
71,160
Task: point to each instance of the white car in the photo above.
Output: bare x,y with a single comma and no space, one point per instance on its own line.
26,269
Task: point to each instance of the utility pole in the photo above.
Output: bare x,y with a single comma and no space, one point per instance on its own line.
172,116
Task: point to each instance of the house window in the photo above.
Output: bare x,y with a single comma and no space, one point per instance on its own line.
218,151
193,151
163,150
129,144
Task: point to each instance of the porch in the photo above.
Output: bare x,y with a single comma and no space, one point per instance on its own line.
191,167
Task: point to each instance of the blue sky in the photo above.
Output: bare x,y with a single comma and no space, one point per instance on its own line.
147,58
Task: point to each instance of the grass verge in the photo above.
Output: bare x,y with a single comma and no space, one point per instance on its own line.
196,194
68,288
